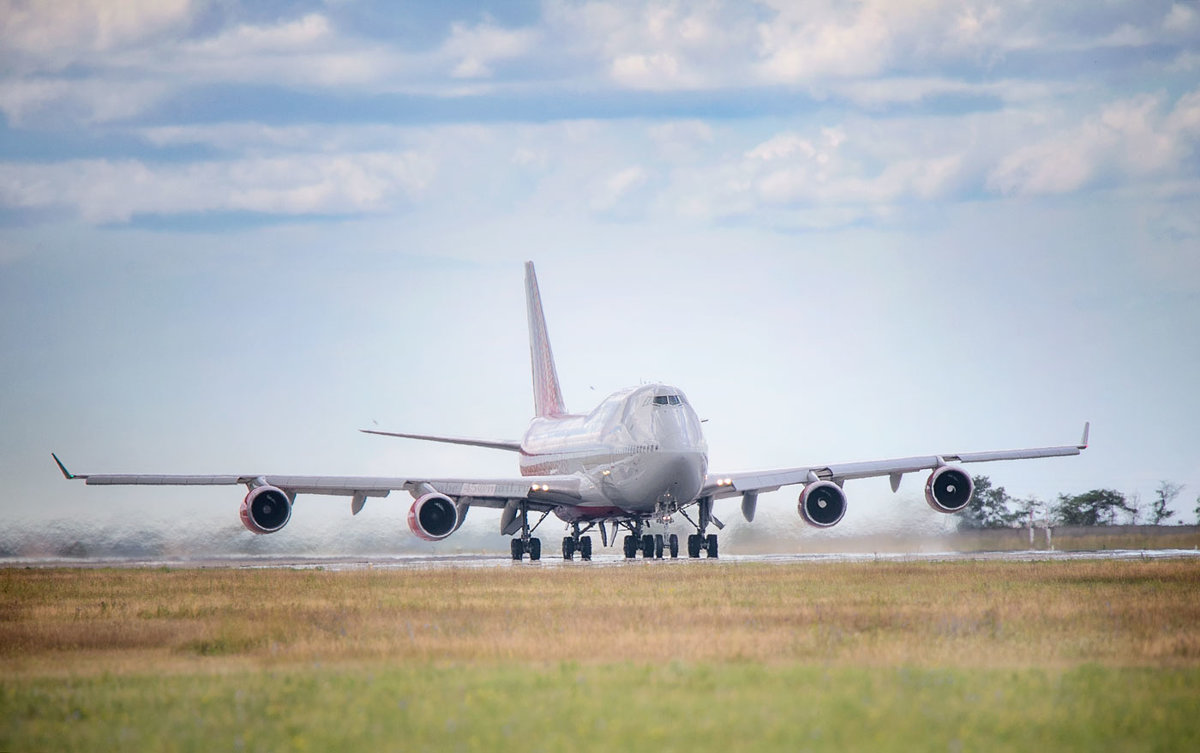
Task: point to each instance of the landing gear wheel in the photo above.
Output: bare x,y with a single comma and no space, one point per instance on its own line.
673,546
694,545
631,547
535,550
712,546
647,546
658,546
518,550
568,548
585,548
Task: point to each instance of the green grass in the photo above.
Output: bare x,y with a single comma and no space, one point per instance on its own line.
1095,655
634,707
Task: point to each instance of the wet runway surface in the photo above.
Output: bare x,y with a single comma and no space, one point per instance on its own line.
427,561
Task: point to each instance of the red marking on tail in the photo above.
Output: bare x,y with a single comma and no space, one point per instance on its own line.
547,395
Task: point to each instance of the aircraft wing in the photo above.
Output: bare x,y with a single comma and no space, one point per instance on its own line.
511,445
542,492
720,485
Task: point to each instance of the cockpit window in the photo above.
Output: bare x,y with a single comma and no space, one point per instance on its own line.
667,400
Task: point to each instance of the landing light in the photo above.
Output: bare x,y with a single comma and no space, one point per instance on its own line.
540,488
724,482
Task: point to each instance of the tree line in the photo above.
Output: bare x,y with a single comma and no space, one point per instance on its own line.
993,507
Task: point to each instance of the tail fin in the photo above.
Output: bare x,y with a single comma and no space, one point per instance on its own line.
547,396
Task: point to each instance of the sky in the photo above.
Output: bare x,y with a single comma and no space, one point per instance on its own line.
232,234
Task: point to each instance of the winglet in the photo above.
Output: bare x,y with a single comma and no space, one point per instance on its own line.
1083,443
66,474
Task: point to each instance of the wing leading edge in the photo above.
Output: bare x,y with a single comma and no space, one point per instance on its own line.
485,492
511,445
720,485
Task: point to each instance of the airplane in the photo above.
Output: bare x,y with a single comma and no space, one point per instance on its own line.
637,459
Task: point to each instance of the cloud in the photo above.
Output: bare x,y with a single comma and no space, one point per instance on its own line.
123,81
473,50
656,71
53,34
1182,19
842,168
289,36
847,167
1136,138
799,45
105,191
617,186
28,101
872,54
656,45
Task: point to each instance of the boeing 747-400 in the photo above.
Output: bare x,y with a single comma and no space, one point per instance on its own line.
637,458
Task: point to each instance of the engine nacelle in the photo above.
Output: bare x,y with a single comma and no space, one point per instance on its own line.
266,509
433,517
822,504
949,489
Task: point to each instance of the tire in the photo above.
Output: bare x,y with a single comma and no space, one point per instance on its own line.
535,550
631,548
647,546
673,546
585,548
712,546
658,546
694,545
568,548
518,550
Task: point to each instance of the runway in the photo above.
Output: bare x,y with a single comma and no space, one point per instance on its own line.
427,561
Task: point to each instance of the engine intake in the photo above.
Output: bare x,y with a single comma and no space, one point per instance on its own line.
433,517
822,504
266,509
949,489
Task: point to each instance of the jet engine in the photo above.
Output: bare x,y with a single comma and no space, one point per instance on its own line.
266,509
822,504
433,517
949,489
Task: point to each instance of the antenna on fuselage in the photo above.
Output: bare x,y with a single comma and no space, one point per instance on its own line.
547,395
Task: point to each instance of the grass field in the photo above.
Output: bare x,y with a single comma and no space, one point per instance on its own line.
1079,655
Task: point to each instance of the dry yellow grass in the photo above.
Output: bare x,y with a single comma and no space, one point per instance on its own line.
56,622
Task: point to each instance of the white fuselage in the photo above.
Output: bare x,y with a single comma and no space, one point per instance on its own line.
640,450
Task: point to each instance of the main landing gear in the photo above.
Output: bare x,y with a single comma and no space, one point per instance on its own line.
521,547
699,541
526,544
576,543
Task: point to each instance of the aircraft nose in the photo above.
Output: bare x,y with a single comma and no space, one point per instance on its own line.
684,475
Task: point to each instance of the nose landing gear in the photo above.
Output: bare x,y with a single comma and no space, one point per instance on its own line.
651,546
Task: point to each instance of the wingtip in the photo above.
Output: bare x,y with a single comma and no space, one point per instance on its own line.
66,474
1087,427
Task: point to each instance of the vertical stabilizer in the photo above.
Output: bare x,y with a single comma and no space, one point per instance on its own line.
547,396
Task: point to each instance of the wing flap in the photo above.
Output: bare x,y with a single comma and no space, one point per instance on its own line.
123,479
